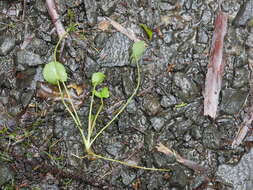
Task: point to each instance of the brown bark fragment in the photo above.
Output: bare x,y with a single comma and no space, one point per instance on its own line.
215,66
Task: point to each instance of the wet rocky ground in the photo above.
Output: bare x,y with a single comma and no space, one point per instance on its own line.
38,139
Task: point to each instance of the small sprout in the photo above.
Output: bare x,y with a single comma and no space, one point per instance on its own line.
54,72
138,49
97,78
148,31
183,104
104,93
72,27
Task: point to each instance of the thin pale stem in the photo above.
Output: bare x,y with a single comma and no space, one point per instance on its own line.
57,45
72,115
66,106
97,114
72,105
90,113
124,106
131,165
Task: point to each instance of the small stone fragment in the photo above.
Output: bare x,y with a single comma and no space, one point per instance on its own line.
151,105
241,77
244,14
157,123
233,101
184,87
108,7
168,101
115,148
91,11
26,58
7,44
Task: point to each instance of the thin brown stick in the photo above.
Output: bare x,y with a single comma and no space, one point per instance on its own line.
215,66
52,10
243,129
188,163
123,30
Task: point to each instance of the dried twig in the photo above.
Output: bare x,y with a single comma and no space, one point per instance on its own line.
188,163
123,30
52,10
215,66
243,129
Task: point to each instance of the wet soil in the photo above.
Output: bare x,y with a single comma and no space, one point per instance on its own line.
38,139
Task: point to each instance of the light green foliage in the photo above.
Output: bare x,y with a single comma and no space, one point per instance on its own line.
138,49
72,27
181,105
104,93
148,31
55,72
97,78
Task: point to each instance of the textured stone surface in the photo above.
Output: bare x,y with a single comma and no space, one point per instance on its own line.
241,175
7,44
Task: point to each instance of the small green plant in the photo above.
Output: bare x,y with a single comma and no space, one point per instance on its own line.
55,73
147,30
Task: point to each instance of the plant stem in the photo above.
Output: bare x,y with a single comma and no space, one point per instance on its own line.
124,106
90,114
96,116
131,165
72,105
70,112
66,106
57,45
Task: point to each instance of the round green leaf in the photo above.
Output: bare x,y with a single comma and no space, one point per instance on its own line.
97,78
138,50
105,92
54,72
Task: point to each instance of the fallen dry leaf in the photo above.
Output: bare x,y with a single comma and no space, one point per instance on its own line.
103,25
51,92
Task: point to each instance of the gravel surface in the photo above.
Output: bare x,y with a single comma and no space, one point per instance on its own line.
38,139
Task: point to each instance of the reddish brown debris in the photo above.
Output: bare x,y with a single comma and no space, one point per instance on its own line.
215,66
52,10
47,91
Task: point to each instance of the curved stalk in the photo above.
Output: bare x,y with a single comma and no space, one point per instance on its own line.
131,165
90,115
72,105
58,43
72,115
96,116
